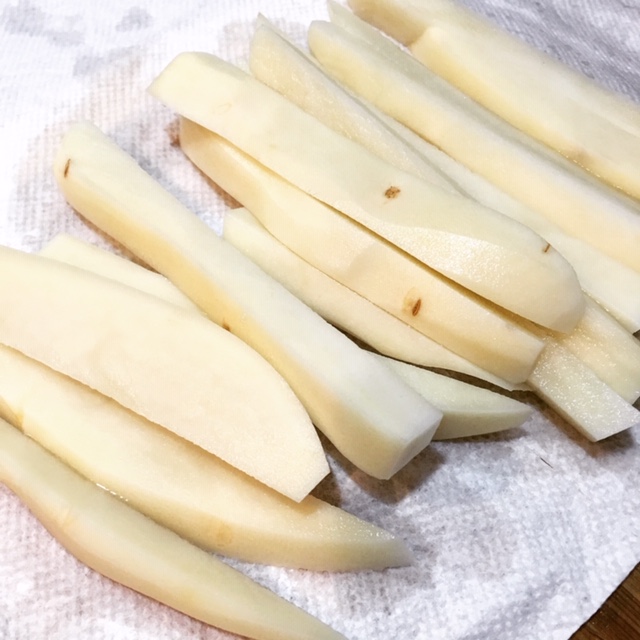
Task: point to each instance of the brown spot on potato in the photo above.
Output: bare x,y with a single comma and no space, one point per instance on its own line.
226,326
392,192
546,249
66,168
412,302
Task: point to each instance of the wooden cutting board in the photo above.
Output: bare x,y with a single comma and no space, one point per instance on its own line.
619,616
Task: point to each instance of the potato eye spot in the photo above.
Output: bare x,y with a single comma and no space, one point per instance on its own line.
392,192
226,326
412,303
546,248
66,168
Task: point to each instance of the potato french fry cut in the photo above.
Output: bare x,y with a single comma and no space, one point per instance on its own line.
364,60
115,540
172,366
197,495
350,397
365,263
533,91
476,247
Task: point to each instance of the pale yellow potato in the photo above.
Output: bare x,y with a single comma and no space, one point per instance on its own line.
180,485
115,540
575,392
467,410
350,397
290,71
608,349
536,93
373,67
476,247
365,263
340,305
76,252
170,365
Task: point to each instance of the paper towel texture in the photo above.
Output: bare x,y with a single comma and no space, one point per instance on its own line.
518,536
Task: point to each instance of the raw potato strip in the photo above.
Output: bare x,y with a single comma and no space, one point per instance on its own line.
115,540
476,247
196,494
522,167
615,356
615,286
467,410
350,396
534,92
608,349
576,384
171,366
333,301
578,395
287,69
366,264
341,306
70,250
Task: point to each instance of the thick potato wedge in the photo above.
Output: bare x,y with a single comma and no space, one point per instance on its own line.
197,495
533,91
115,540
350,397
365,60
476,247
170,365
365,263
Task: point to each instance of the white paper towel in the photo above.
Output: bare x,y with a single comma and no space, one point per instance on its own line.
518,536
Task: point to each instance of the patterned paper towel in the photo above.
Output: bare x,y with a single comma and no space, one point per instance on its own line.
518,536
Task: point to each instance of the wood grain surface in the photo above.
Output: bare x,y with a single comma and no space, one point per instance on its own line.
619,616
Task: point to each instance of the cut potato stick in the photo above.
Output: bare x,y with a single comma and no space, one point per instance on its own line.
522,167
115,540
198,496
350,396
615,286
336,303
579,396
608,349
467,410
365,263
285,68
476,247
534,92
171,366
341,306
70,250
226,165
